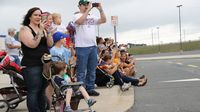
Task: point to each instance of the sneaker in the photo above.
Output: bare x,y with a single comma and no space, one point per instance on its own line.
126,86
67,109
93,93
91,102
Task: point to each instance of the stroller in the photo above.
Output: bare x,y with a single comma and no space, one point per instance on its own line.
12,96
59,92
103,78
59,96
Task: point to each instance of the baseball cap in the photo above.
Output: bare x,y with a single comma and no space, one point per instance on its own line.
83,2
11,29
59,35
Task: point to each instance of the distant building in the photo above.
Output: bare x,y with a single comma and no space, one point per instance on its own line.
131,45
2,36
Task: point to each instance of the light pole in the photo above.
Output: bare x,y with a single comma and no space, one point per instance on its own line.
98,30
158,39
179,7
152,36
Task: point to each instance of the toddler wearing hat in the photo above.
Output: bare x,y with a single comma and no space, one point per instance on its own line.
58,49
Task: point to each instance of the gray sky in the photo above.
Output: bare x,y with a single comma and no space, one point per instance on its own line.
137,18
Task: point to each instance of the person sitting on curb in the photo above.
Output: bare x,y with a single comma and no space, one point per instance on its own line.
127,66
120,78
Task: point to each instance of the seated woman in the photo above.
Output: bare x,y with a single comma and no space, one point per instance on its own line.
120,78
62,79
127,64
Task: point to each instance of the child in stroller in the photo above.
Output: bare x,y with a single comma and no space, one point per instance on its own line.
12,96
63,81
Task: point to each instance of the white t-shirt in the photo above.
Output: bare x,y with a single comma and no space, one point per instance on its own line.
12,41
85,34
60,28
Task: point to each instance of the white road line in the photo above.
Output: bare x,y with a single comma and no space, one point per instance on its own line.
179,63
194,66
182,80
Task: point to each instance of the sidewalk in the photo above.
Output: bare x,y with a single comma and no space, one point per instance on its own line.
110,99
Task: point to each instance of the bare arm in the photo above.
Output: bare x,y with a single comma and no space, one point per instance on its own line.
128,65
28,39
102,15
10,46
112,70
49,39
81,20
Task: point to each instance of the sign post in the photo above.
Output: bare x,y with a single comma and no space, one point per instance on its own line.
114,22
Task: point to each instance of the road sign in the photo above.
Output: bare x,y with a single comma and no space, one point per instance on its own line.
114,20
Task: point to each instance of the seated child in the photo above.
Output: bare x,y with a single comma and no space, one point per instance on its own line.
120,78
62,79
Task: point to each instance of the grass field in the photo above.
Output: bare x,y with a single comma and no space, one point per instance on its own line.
172,47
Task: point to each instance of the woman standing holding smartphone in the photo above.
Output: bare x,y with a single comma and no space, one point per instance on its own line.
35,43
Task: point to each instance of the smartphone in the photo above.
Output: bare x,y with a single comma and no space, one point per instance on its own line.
95,4
44,16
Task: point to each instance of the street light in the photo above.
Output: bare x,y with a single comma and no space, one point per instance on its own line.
98,30
152,35
179,7
158,39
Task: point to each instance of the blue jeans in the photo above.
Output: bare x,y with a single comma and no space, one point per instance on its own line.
119,79
16,59
36,85
86,65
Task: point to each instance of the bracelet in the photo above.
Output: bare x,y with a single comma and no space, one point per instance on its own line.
48,34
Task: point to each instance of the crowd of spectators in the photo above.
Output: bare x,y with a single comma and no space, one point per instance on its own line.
76,45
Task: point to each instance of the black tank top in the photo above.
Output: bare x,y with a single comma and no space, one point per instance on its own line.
32,56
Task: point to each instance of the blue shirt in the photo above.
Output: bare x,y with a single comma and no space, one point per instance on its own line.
63,54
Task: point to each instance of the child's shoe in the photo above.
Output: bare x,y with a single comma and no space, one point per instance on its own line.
91,102
67,109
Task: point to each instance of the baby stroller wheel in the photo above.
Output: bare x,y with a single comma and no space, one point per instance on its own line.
13,106
109,84
92,111
4,106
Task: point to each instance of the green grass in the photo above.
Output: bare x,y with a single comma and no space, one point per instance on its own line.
172,47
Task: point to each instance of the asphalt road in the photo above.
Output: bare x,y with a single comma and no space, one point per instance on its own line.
168,54
173,86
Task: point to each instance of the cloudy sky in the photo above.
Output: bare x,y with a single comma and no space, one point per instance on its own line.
138,19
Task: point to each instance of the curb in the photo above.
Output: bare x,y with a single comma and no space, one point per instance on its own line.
168,57
110,99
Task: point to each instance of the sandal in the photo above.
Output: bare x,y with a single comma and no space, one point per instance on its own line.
143,84
142,77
